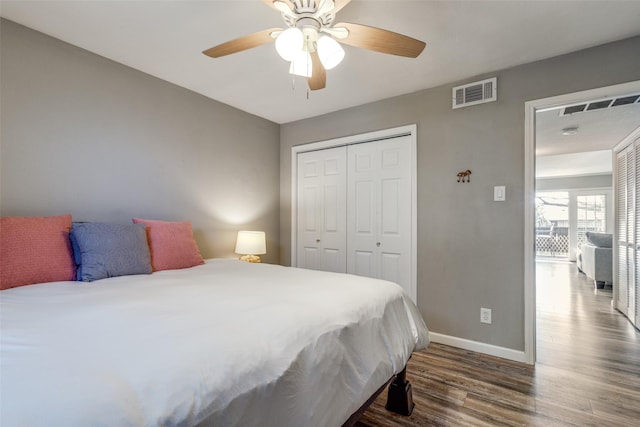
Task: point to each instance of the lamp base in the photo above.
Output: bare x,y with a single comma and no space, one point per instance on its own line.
251,258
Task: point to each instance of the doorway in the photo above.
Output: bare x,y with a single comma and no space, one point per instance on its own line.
531,109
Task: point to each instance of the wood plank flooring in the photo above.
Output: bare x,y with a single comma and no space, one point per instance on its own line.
587,371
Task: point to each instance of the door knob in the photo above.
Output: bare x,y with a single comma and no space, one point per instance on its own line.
378,244
317,240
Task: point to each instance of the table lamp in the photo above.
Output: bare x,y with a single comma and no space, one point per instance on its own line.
250,244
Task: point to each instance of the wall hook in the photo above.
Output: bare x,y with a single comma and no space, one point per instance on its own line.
464,176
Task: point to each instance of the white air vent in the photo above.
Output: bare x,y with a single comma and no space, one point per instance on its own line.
475,93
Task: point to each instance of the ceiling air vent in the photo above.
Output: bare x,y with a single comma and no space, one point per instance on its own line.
475,93
600,104
575,109
625,100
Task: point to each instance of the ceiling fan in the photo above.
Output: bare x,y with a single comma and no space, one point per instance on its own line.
310,41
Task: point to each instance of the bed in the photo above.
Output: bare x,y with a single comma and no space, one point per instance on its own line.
225,343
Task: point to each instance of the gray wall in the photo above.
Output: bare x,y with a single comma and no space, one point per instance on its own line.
84,135
470,249
575,182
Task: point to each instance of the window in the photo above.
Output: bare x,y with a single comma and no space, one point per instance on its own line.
552,224
592,210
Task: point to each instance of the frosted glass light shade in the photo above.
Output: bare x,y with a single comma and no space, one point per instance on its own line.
251,243
301,65
330,52
289,43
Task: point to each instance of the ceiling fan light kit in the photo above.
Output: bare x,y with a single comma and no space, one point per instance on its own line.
301,65
330,52
311,41
289,43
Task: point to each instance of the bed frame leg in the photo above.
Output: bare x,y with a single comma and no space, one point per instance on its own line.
400,397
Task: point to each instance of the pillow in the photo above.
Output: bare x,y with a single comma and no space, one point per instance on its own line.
601,240
35,250
110,250
172,244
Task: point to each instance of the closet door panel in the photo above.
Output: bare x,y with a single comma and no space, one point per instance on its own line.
333,260
362,189
390,219
364,209
379,210
309,257
395,211
628,231
634,289
309,231
631,214
390,266
362,263
321,210
621,228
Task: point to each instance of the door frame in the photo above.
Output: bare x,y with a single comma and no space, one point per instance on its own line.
529,193
409,130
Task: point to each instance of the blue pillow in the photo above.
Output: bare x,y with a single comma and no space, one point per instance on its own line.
109,250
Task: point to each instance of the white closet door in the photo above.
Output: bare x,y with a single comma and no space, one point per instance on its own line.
321,207
379,210
622,281
628,231
631,214
635,288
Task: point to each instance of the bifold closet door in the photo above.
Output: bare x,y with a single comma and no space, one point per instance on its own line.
379,210
628,231
634,289
622,205
321,210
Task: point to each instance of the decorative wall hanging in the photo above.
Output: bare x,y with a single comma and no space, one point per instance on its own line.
464,176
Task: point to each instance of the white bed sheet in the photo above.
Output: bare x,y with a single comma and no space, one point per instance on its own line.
227,343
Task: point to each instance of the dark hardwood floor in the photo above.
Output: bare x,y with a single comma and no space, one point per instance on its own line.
587,371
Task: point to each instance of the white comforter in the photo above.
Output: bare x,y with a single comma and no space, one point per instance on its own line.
227,343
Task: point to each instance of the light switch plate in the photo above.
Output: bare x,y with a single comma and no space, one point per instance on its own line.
499,193
485,315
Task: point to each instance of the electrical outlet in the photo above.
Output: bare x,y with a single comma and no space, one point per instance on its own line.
485,315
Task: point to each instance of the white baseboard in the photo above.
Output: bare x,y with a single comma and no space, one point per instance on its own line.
480,347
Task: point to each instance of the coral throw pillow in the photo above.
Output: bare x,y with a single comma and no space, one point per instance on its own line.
35,250
172,244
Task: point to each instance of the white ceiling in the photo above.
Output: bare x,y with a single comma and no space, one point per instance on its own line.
464,39
596,130
589,150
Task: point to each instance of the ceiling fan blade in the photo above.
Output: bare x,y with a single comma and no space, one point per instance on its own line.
241,43
318,79
284,7
271,5
337,32
324,6
380,40
339,5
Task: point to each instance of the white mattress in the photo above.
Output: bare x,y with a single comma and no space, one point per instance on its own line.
226,343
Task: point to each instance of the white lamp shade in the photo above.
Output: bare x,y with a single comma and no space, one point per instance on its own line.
289,43
330,52
251,243
301,65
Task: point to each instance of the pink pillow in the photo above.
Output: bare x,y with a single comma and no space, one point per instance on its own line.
172,244
35,250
